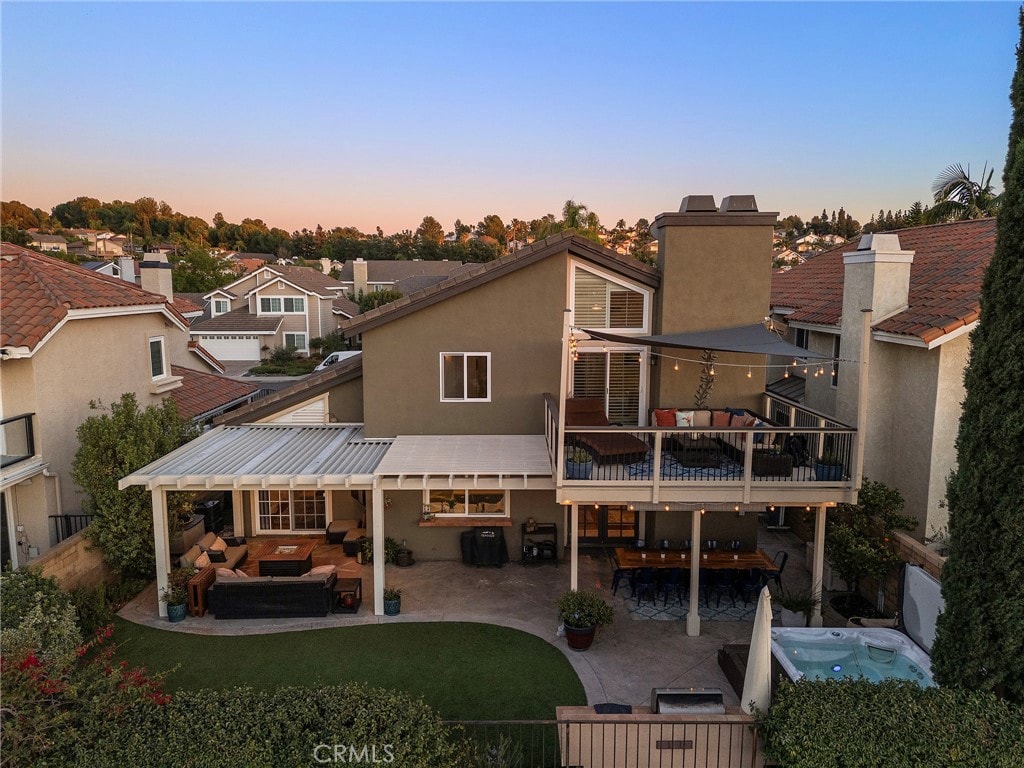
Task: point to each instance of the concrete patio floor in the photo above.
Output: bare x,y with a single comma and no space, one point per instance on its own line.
627,660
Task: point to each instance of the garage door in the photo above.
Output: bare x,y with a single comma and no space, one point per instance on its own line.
232,347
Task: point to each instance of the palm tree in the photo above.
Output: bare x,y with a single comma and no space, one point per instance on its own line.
959,197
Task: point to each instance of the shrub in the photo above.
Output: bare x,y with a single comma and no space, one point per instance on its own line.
851,723
37,617
93,607
584,609
282,355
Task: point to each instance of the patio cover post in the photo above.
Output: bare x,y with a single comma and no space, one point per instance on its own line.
818,567
574,547
161,545
238,513
693,613
378,549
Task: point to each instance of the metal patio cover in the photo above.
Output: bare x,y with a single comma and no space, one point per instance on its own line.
753,339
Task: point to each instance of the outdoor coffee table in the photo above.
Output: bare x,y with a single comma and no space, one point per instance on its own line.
278,559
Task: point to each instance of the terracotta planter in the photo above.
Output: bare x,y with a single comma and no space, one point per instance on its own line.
579,638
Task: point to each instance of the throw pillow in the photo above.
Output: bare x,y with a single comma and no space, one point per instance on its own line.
220,545
702,418
720,418
207,541
188,560
202,561
216,556
241,574
226,573
759,436
665,417
322,570
684,418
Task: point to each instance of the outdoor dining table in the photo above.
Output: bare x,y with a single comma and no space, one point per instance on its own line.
679,558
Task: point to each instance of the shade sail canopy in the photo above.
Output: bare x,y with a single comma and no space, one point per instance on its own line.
754,339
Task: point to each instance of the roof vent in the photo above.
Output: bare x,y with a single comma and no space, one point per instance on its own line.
738,204
697,203
879,242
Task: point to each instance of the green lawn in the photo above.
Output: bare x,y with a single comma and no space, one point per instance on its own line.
464,671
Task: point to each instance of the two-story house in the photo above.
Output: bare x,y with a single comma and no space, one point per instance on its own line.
71,337
275,306
360,275
468,393
923,286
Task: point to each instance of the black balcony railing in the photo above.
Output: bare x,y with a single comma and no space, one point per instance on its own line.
16,439
65,526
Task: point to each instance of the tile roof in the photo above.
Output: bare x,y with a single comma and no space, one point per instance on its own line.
185,306
200,393
945,281
37,292
249,265
238,320
391,270
471,275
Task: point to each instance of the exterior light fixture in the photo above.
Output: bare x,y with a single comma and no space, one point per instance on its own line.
750,373
676,366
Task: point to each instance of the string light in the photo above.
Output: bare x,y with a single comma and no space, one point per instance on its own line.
711,370
785,374
676,366
750,373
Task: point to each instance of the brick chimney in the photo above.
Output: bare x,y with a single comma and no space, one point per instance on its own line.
155,272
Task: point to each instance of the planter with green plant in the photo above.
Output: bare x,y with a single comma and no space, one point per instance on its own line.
175,594
798,607
828,467
578,464
392,601
581,613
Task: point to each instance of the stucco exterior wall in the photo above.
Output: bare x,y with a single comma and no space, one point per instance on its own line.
30,503
518,319
345,402
723,525
819,394
949,398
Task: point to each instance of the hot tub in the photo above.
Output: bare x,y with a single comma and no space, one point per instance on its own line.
873,654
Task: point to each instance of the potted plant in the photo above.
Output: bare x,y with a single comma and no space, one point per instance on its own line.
365,554
581,613
828,467
392,601
175,594
797,607
578,463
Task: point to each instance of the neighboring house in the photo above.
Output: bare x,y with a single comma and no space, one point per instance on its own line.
101,242
456,415
276,306
923,286
70,337
375,275
48,242
123,267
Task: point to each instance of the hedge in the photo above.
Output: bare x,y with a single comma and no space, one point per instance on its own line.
895,723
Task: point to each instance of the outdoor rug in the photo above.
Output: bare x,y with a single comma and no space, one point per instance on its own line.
676,612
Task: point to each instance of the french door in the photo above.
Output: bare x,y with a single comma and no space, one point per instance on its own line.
612,524
613,375
288,511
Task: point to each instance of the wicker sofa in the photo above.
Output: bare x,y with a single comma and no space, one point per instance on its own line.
234,554
271,597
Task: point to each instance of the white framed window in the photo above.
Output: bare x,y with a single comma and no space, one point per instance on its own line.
465,377
834,373
601,302
296,341
220,307
291,510
801,339
287,305
157,357
458,502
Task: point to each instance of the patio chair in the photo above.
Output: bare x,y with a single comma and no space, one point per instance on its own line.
723,582
781,558
646,584
627,574
750,583
674,580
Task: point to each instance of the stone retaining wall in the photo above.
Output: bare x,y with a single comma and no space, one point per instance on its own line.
74,563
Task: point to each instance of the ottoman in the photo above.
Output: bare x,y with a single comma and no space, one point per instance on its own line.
337,529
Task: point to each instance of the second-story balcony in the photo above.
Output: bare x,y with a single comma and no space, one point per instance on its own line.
802,457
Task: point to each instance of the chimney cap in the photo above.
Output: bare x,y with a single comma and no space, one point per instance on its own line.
697,204
738,204
879,242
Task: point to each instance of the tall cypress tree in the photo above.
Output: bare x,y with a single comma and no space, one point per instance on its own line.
980,639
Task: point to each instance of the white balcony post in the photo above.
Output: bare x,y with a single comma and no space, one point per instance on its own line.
563,390
161,545
574,546
656,469
378,549
862,399
693,614
818,567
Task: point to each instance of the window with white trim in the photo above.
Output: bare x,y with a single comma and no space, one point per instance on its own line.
296,341
836,343
801,339
287,305
458,502
157,360
220,307
465,377
602,303
290,510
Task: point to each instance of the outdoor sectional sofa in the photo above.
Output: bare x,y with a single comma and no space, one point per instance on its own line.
234,555
605,447
271,597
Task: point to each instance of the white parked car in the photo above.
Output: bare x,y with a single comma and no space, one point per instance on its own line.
336,357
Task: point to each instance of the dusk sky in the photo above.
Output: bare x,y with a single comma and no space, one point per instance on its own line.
345,114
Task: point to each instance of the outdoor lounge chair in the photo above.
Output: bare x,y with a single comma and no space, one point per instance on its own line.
605,447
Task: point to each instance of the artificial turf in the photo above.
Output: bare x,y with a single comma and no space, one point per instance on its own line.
464,671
